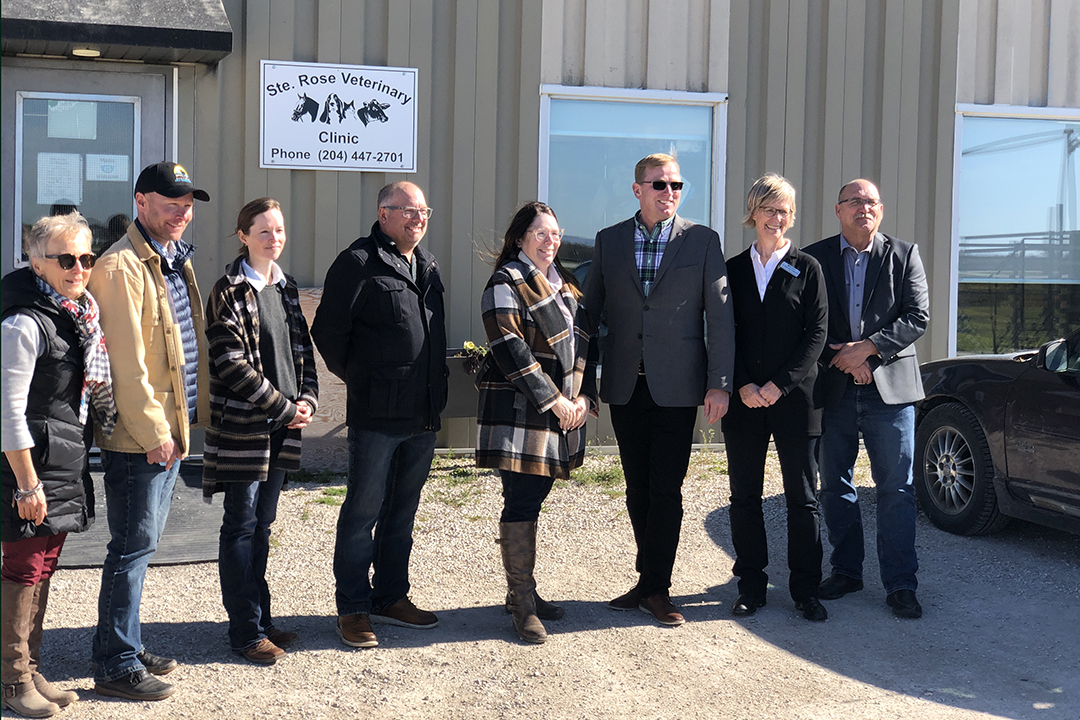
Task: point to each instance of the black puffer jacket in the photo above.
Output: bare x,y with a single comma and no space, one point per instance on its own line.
52,413
385,336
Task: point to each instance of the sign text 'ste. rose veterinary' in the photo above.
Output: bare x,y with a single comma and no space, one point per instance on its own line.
317,116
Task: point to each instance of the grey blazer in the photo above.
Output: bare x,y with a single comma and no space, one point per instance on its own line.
896,310
684,331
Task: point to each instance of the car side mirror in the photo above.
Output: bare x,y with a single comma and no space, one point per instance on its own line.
1053,356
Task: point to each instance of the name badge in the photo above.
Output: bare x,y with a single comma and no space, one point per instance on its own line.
790,268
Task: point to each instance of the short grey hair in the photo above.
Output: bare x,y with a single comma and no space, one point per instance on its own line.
73,225
386,195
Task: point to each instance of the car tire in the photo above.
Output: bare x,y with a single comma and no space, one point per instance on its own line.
954,473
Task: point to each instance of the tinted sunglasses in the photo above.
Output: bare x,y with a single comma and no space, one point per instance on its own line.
67,260
661,185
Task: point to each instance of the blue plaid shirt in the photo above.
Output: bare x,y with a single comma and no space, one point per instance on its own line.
649,249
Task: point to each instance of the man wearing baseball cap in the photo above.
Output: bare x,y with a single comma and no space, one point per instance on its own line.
152,317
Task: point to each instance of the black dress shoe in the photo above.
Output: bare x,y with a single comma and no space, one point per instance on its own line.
812,609
747,604
139,685
837,586
155,664
904,604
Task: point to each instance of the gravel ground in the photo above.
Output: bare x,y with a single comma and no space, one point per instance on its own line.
999,637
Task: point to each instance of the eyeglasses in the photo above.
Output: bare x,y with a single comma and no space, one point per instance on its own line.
545,235
861,202
661,185
771,212
411,213
67,260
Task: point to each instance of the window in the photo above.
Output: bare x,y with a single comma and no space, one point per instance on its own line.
591,139
76,152
1018,236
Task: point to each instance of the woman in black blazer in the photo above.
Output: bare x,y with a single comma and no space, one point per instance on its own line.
778,295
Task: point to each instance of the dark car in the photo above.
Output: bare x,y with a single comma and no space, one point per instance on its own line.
998,437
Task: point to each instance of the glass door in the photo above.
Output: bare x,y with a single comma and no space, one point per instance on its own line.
80,139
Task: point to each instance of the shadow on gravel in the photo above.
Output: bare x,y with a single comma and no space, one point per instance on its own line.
999,633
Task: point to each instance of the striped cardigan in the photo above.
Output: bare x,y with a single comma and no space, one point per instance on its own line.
242,400
530,364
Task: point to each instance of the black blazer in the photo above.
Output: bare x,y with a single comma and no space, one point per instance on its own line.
896,311
779,339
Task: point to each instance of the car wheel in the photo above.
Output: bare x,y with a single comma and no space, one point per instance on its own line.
954,476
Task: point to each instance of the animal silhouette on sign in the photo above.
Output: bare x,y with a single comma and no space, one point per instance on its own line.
373,110
333,103
348,109
306,106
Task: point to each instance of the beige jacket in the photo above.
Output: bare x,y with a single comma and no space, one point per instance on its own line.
145,347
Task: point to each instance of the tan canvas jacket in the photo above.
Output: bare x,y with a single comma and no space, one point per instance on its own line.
145,347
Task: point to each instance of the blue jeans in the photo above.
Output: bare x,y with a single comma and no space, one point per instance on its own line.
386,474
137,499
244,546
889,435
523,496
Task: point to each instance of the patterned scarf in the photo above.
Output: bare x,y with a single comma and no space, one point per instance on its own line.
97,377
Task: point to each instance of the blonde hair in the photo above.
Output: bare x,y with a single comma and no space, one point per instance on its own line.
768,188
72,225
653,161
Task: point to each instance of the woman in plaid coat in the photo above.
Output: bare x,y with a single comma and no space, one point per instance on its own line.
263,391
537,387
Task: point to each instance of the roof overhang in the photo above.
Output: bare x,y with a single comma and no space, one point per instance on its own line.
153,31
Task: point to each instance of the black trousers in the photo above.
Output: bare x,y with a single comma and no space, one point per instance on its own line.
746,450
654,446
523,495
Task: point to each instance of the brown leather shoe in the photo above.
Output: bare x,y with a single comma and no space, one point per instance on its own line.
281,638
661,608
355,631
405,614
263,652
627,601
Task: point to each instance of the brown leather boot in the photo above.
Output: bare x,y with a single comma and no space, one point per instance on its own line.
518,542
63,698
544,609
16,616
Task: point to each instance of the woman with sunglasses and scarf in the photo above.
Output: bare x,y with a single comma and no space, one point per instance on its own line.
537,386
55,372
263,392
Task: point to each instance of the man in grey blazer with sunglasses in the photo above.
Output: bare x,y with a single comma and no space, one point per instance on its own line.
659,283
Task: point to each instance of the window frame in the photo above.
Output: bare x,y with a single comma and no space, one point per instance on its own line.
20,97
999,111
717,101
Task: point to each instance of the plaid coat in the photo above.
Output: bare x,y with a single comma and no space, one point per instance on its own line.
529,365
242,400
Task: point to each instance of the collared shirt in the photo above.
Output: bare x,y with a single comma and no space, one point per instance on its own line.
855,263
257,281
649,249
763,272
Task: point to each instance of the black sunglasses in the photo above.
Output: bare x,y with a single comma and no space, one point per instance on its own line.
67,260
661,185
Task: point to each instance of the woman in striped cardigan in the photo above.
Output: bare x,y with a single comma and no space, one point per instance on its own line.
263,391
536,389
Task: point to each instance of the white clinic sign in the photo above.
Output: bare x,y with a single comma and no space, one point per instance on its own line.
317,116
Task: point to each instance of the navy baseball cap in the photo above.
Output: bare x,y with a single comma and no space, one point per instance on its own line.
168,179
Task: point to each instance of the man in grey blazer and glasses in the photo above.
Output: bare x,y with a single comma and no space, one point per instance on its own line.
659,282
878,308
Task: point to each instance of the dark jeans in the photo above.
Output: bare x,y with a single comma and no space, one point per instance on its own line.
523,495
386,474
243,548
137,500
888,433
746,471
654,446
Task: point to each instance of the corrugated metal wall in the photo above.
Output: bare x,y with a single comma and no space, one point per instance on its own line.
820,90
479,73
